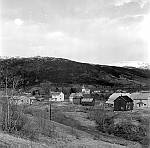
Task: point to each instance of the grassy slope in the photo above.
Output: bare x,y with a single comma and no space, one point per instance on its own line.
7,140
67,114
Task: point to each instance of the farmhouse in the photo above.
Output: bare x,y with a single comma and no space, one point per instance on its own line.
141,99
123,103
57,96
87,100
115,96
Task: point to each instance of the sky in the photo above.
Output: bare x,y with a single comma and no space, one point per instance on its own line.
93,31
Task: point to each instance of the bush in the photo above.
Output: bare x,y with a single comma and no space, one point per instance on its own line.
124,128
130,132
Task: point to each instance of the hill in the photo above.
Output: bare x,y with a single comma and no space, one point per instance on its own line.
31,71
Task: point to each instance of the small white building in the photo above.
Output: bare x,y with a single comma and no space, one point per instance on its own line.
57,96
85,90
141,99
32,100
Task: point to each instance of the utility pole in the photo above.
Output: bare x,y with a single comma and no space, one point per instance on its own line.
50,110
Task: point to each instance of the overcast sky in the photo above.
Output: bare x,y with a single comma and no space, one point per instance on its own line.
94,31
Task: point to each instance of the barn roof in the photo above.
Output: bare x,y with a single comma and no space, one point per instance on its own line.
19,97
126,98
116,95
56,93
74,95
87,96
140,103
140,96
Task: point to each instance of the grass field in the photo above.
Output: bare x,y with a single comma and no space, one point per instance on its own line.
76,117
75,126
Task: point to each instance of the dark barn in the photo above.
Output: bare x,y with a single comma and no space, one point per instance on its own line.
77,100
123,103
87,100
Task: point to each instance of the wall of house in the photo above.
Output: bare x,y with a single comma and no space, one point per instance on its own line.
70,99
58,97
62,97
122,105
147,102
77,101
119,105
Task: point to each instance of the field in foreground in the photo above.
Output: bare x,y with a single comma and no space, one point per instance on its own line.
71,127
76,117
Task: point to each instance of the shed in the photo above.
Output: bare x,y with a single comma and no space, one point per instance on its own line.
141,99
77,100
123,103
74,96
87,100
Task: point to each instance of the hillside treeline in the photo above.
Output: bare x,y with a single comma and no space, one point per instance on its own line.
32,71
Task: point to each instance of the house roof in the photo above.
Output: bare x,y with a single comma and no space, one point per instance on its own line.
19,97
74,95
56,93
140,96
140,103
87,99
116,95
35,88
126,98
32,98
87,96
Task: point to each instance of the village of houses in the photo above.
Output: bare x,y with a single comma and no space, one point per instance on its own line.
119,100
75,107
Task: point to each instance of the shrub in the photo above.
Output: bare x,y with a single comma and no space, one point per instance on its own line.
124,128
130,132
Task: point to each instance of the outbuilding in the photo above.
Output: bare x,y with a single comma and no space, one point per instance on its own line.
57,96
114,96
87,100
123,103
141,99
74,96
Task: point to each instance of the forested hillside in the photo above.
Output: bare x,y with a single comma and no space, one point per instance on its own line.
31,71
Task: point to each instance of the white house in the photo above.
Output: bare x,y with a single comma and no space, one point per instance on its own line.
141,99
57,96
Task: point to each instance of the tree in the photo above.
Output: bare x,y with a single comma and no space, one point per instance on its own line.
73,90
